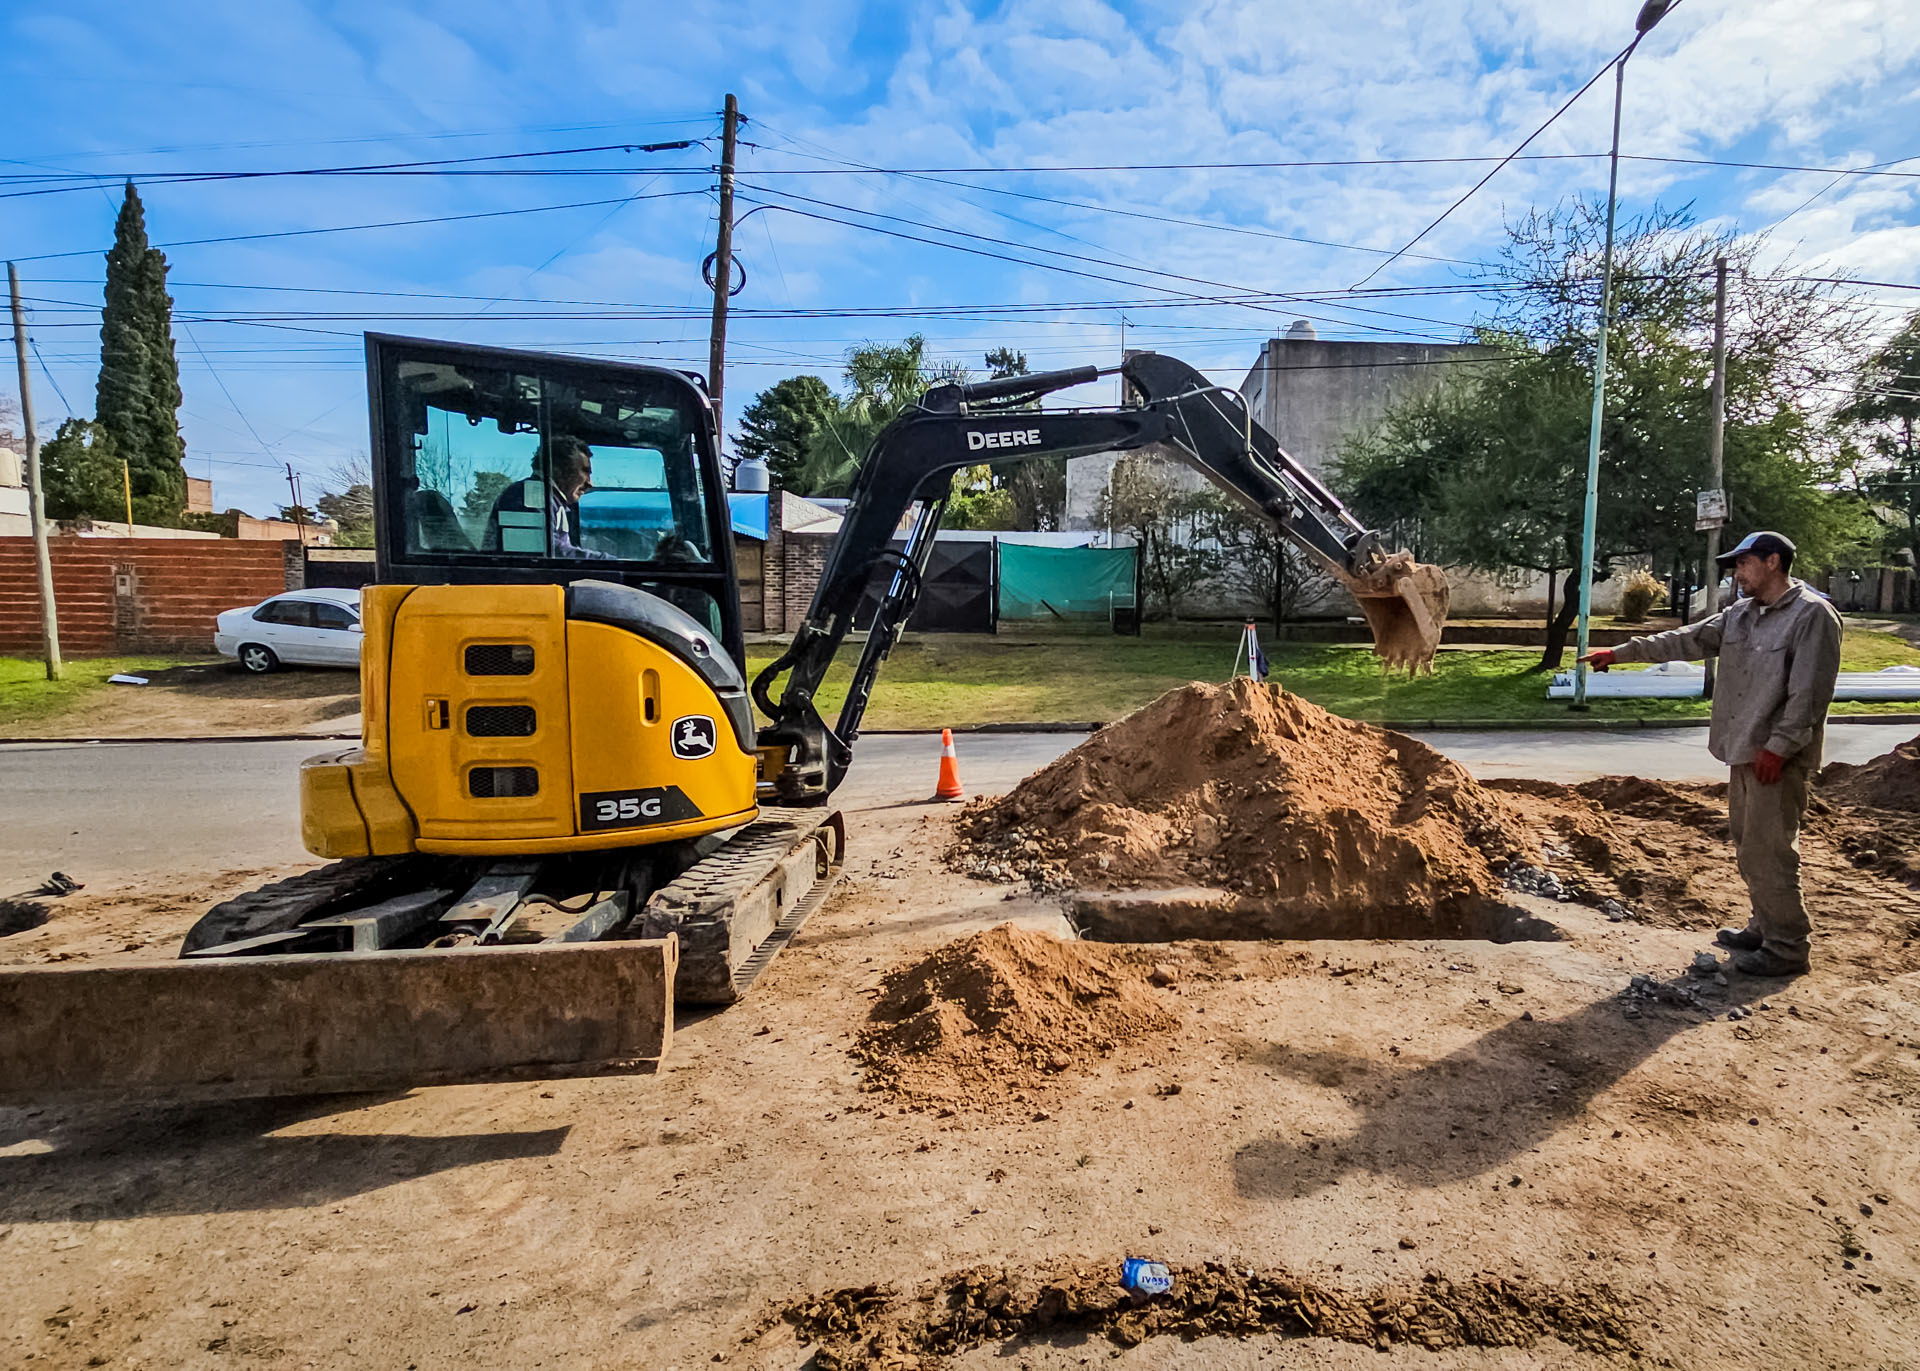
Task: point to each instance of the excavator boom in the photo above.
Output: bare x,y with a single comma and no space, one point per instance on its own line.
1175,409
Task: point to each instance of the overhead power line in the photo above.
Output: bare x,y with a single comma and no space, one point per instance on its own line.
1510,157
384,224
92,180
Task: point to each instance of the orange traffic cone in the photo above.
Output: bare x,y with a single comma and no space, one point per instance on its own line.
949,787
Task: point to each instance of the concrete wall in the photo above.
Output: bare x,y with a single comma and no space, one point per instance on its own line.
1313,395
15,521
137,595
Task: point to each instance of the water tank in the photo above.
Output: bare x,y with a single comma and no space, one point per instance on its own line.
1301,331
751,477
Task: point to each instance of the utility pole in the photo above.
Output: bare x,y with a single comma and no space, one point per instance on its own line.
36,501
1716,438
299,515
723,270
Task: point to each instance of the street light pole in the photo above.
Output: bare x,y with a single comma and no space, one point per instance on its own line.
1650,14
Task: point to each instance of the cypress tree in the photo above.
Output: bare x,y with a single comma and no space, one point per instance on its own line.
139,388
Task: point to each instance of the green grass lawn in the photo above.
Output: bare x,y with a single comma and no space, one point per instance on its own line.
27,696
937,681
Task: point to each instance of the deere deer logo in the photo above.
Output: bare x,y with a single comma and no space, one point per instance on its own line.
693,736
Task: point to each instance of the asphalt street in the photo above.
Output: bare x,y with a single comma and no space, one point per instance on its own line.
115,814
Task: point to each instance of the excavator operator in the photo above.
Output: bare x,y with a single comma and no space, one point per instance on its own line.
568,464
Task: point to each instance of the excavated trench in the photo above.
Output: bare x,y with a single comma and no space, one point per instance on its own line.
1157,916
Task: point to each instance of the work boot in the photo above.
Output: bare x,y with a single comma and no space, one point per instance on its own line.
1761,962
1740,939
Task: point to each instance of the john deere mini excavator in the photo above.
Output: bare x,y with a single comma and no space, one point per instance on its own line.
561,819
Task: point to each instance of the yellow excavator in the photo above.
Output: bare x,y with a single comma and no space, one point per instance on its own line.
562,819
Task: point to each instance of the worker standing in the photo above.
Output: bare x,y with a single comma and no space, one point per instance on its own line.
1779,651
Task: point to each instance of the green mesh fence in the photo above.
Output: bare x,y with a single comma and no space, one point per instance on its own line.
1064,584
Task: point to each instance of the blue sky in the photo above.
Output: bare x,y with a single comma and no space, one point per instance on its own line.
268,329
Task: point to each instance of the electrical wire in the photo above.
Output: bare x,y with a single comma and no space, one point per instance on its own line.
1512,156
439,165
357,228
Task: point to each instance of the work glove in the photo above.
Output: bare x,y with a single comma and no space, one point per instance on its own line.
1599,659
1766,766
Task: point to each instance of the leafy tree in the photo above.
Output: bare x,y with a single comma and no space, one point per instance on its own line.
979,501
297,514
1284,579
884,380
1172,528
80,473
1885,410
1037,487
780,426
1489,471
138,396
486,488
352,513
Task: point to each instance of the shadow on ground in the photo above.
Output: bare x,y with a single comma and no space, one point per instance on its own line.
222,1158
1473,1111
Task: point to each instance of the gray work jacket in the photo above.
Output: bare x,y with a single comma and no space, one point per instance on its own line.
1776,672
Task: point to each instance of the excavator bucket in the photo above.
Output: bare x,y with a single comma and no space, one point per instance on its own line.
1406,607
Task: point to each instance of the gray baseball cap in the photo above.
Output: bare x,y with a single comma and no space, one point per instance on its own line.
1760,545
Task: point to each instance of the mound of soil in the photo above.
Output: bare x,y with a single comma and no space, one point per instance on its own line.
1659,848
872,1326
1890,781
1002,1012
1249,789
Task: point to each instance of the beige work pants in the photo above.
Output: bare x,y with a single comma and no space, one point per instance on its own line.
1765,820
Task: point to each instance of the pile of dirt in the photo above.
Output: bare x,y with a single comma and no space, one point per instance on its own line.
873,1326
1656,850
1250,789
1889,781
1002,1012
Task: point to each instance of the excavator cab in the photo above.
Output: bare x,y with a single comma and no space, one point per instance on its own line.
553,658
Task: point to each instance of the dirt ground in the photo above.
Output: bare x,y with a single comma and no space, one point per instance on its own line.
1346,1119
205,699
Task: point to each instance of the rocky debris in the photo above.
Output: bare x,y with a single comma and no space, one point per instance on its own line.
1643,990
1015,855
1651,852
1249,789
999,1013
1705,964
1534,880
875,1326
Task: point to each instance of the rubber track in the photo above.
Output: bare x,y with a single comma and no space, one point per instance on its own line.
745,974
702,905
285,904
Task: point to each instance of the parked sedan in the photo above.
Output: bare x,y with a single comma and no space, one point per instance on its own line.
319,627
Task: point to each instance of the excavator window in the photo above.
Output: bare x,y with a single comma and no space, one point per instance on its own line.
504,464
500,466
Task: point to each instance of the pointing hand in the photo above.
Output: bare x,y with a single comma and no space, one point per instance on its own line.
1599,659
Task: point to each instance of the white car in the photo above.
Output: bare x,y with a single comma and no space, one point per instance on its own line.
319,627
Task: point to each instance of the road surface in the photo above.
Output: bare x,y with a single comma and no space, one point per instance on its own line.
113,814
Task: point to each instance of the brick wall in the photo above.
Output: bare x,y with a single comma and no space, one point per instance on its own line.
805,559
136,594
773,589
